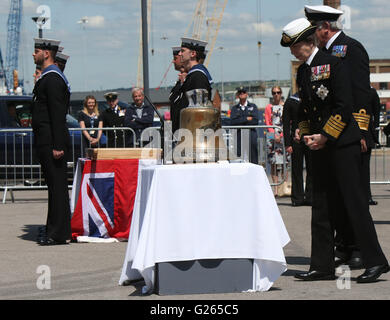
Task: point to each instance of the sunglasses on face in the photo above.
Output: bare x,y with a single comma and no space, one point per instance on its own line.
276,92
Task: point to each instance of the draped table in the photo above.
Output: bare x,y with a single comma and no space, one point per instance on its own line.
205,211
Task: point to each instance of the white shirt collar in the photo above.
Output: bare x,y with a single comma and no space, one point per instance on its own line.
331,40
312,56
244,105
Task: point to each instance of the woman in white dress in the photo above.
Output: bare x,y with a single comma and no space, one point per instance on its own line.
273,117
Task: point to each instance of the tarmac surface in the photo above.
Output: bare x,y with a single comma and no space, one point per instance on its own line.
91,271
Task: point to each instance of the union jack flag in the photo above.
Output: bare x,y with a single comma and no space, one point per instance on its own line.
106,199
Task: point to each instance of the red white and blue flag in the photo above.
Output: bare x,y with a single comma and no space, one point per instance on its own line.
106,196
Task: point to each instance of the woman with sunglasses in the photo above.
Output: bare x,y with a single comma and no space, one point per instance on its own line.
273,117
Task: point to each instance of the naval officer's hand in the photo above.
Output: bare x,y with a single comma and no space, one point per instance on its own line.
363,145
296,136
315,141
58,154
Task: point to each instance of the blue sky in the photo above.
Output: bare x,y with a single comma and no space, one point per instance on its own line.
105,54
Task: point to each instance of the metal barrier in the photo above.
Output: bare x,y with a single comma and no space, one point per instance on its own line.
379,166
19,165
20,169
263,148
230,140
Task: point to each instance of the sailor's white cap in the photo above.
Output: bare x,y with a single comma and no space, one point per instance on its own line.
176,50
193,44
46,44
61,57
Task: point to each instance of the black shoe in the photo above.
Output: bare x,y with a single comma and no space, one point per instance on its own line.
341,257
315,275
372,202
373,273
307,203
355,262
41,235
297,203
44,241
339,261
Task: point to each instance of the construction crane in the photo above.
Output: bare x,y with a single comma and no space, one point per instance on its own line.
3,80
197,25
13,39
213,24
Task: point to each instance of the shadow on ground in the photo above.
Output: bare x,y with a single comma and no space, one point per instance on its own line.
30,232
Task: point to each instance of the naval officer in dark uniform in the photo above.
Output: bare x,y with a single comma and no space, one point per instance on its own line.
60,60
51,140
300,195
174,96
245,113
334,41
372,141
328,128
113,117
192,52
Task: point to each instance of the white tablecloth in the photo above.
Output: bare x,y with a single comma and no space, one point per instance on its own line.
205,211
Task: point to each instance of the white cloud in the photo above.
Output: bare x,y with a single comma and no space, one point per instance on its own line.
179,16
266,28
96,22
29,7
380,2
373,24
229,33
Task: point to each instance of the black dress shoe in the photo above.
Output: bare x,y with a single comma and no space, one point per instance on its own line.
355,262
373,273
297,204
44,241
338,261
42,236
341,257
315,275
372,202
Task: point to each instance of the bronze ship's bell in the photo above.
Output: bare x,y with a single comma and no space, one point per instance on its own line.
204,123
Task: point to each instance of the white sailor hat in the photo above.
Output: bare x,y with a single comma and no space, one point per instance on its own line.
193,44
297,30
60,57
322,13
46,44
176,50
111,95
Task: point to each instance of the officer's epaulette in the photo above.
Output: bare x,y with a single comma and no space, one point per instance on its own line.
362,118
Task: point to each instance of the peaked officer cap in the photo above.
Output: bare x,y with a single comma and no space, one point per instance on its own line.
111,95
297,30
322,13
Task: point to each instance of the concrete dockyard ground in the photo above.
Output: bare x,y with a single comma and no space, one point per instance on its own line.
86,271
